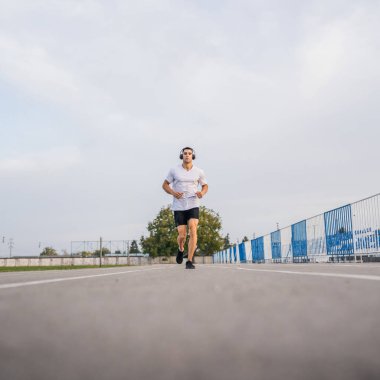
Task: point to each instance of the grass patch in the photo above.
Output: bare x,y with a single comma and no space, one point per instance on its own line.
56,267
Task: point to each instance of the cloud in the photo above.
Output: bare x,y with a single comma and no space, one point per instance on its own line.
52,160
39,73
31,68
279,100
339,52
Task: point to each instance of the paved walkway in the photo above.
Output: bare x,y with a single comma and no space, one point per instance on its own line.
302,321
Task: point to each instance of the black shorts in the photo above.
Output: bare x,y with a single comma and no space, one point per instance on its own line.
182,217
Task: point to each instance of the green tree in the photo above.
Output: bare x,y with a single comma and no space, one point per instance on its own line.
49,251
210,239
245,238
134,248
226,242
162,239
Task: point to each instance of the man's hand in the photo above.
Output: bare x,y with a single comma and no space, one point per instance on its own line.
169,190
177,194
202,193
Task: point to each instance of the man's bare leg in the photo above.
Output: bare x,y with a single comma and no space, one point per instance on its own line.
193,225
181,237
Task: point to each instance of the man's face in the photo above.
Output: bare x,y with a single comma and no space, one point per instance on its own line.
187,155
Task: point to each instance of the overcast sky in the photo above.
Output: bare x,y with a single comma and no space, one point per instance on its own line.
280,99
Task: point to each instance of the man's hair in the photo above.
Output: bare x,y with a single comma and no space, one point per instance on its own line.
187,148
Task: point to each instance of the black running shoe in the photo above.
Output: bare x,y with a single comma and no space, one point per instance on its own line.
189,265
179,258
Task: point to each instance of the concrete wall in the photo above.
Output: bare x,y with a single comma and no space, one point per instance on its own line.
109,260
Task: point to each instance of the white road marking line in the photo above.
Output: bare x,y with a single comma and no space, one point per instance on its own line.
29,283
353,276
326,274
50,271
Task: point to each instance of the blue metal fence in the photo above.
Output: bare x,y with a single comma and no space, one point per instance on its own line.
257,247
299,239
242,253
276,244
339,236
342,233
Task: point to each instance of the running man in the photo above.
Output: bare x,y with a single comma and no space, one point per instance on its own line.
185,180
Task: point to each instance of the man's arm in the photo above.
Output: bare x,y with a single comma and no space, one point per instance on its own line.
169,190
203,192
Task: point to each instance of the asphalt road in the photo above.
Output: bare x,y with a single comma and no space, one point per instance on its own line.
301,321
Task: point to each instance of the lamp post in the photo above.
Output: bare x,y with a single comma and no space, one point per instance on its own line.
11,245
100,252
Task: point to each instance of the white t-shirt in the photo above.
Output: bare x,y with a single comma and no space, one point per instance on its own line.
186,182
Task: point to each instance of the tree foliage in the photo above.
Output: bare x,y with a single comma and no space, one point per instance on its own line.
134,248
105,251
162,239
49,251
227,242
210,239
